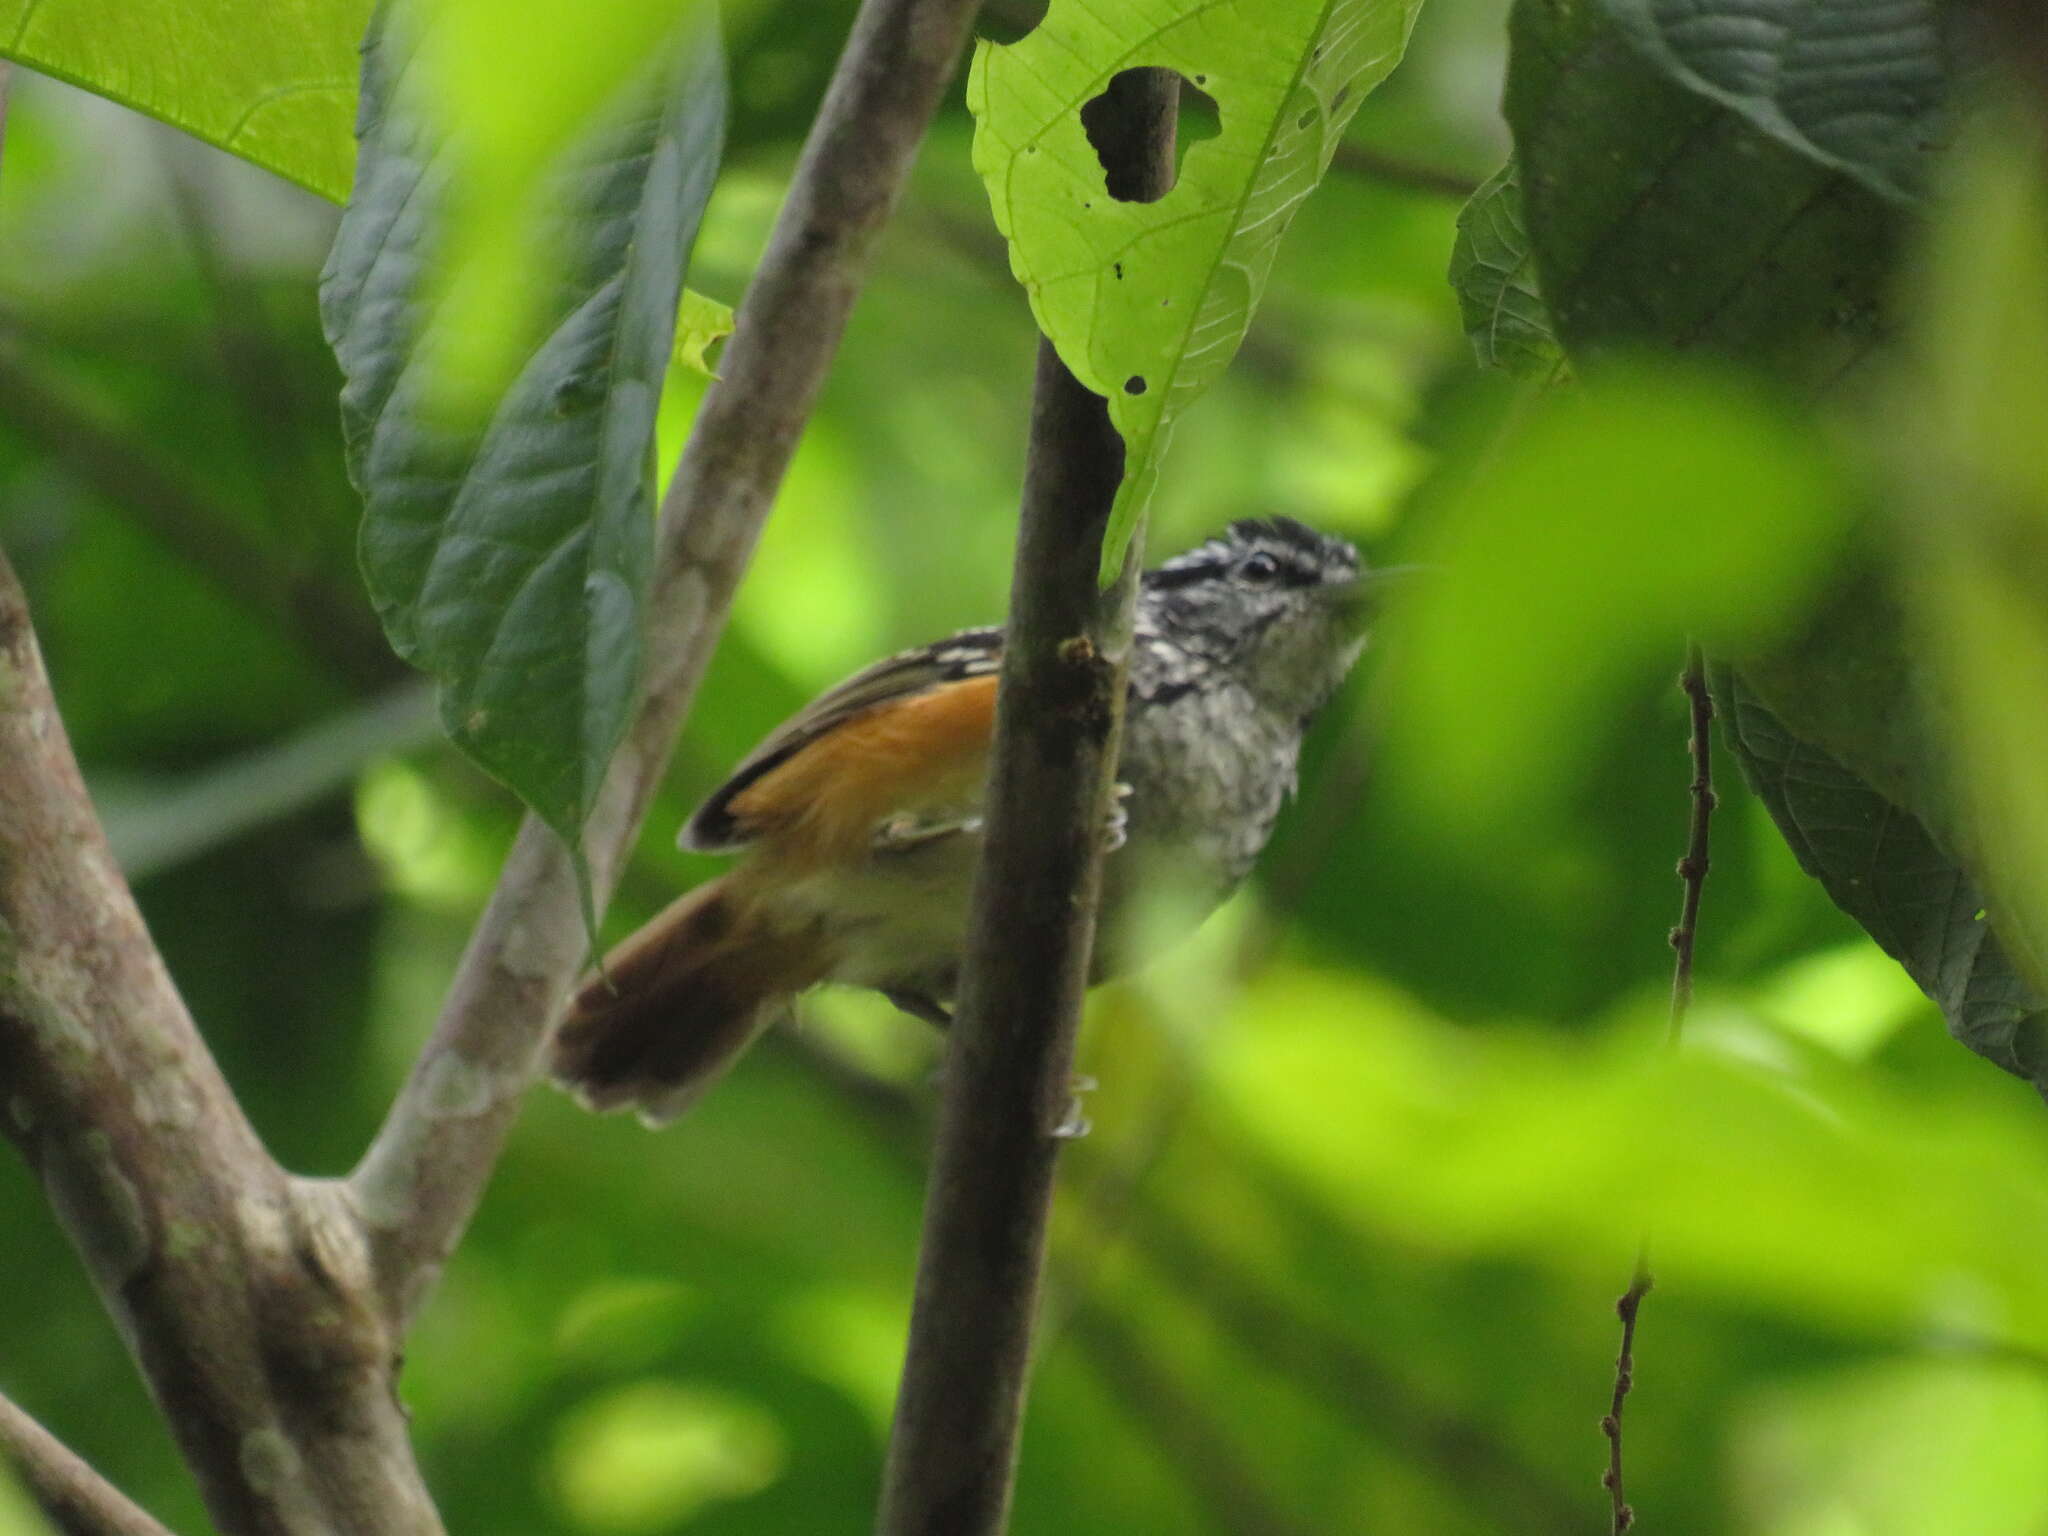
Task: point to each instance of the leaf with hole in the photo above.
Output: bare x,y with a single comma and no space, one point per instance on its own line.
1494,276
1147,302
510,557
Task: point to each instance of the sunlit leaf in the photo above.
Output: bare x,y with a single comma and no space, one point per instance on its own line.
1595,535
701,324
1494,274
649,1456
510,558
1147,302
273,81
1858,87
1898,1448
1829,1199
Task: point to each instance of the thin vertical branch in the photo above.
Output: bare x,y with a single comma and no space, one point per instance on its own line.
952,1454
1692,869
1692,877
1626,1308
421,1179
74,1498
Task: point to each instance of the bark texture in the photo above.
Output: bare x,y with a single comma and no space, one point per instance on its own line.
1009,1068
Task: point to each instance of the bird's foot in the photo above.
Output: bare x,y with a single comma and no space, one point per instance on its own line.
1116,825
1075,1124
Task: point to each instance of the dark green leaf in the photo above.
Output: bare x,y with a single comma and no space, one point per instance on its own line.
1494,276
1856,86
507,548
1883,868
1659,217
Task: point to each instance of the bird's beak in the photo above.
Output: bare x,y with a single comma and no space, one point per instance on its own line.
1362,598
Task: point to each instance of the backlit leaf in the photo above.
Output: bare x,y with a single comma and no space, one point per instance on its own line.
273,81
1147,302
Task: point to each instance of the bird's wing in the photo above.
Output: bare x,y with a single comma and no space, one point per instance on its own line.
884,689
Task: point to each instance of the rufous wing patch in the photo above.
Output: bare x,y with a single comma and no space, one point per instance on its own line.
923,755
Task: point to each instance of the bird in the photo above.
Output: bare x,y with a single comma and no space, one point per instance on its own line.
860,817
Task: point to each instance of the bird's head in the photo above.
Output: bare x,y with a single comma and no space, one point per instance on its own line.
1281,605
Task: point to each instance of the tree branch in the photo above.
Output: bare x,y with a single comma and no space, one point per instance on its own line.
422,1177
1692,877
74,1498
1377,165
240,1290
1058,720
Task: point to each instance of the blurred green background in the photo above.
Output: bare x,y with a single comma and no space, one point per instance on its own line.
1370,1157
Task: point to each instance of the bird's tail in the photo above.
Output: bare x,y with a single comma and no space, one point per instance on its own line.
675,1004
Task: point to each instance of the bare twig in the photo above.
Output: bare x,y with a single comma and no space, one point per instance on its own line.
241,1291
74,1498
1377,165
1058,717
1692,869
1626,1308
422,1177
1692,876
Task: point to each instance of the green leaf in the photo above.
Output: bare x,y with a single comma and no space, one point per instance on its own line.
1854,86
273,81
1596,532
509,558
1881,866
1147,302
1494,275
1978,507
1660,217
701,324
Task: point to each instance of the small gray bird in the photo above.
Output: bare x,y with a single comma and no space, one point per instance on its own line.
863,816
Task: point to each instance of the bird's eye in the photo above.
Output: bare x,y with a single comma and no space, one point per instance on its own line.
1260,568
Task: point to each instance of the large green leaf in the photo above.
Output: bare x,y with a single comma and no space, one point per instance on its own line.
273,81
1858,86
1494,275
1881,866
1659,217
1147,302
508,556
1559,595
